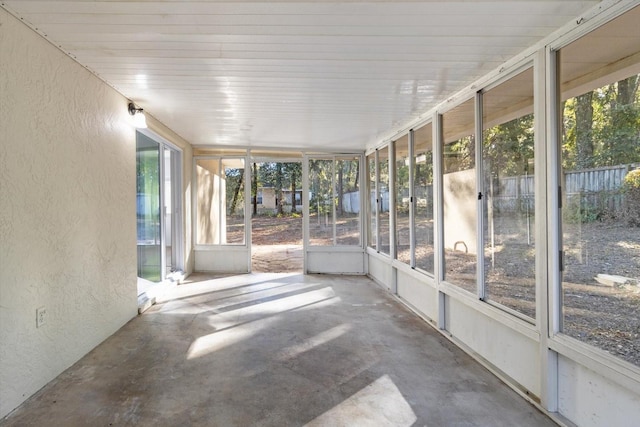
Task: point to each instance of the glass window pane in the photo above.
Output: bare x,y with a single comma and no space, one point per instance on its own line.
508,202
459,196
220,203
371,173
348,201
234,201
208,206
403,242
321,202
148,207
423,192
601,189
383,185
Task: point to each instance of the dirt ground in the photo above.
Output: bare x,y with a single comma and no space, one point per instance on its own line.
277,241
276,244
272,230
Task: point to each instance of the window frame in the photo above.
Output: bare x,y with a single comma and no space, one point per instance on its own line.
599,361
221,211
482,285
334,158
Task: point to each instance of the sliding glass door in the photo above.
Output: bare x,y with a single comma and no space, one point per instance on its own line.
158,208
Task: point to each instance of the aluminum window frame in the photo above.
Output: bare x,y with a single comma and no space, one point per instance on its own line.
247,200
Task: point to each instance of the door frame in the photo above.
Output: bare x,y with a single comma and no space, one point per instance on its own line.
177,214
248,224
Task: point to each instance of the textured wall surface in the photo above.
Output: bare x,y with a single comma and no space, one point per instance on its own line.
67,212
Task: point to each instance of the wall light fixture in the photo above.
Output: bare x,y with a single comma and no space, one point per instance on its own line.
139,120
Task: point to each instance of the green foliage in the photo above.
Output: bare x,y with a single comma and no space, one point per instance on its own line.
459,155
578,211
613,129
283,175
508,147
272,214
631,189
424,169
632,180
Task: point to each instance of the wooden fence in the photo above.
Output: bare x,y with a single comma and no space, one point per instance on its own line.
594,189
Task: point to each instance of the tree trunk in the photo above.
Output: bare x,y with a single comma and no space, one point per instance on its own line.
627,89
235,195
340,189
293,191
584,131
279,204
254,189
356,177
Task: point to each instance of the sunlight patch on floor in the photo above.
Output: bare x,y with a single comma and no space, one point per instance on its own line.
313,342
377,405
237,325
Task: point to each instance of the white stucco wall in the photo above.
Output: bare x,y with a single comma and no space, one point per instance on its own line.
67,212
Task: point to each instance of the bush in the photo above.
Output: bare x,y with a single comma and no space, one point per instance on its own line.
631,191
579,211
632,180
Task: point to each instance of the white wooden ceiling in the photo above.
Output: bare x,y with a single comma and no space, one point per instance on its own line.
304,74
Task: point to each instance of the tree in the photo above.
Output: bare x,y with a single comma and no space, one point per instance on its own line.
279,178
602,127
234,183
460,154
584,131
293,176
254,189
340,186
620,131
508,147
320,185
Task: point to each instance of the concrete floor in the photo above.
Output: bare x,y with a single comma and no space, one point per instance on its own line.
277,350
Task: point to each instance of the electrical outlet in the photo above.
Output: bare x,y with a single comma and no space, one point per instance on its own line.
41,316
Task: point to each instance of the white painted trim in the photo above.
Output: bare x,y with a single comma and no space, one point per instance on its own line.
599,361
248,213
393,250
337,248
523,327
334,195
378,199
303,150
548,358
364,194
412,202
417,274
305,207
478,141
163,223
438,210
379,255
553,214
221,248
